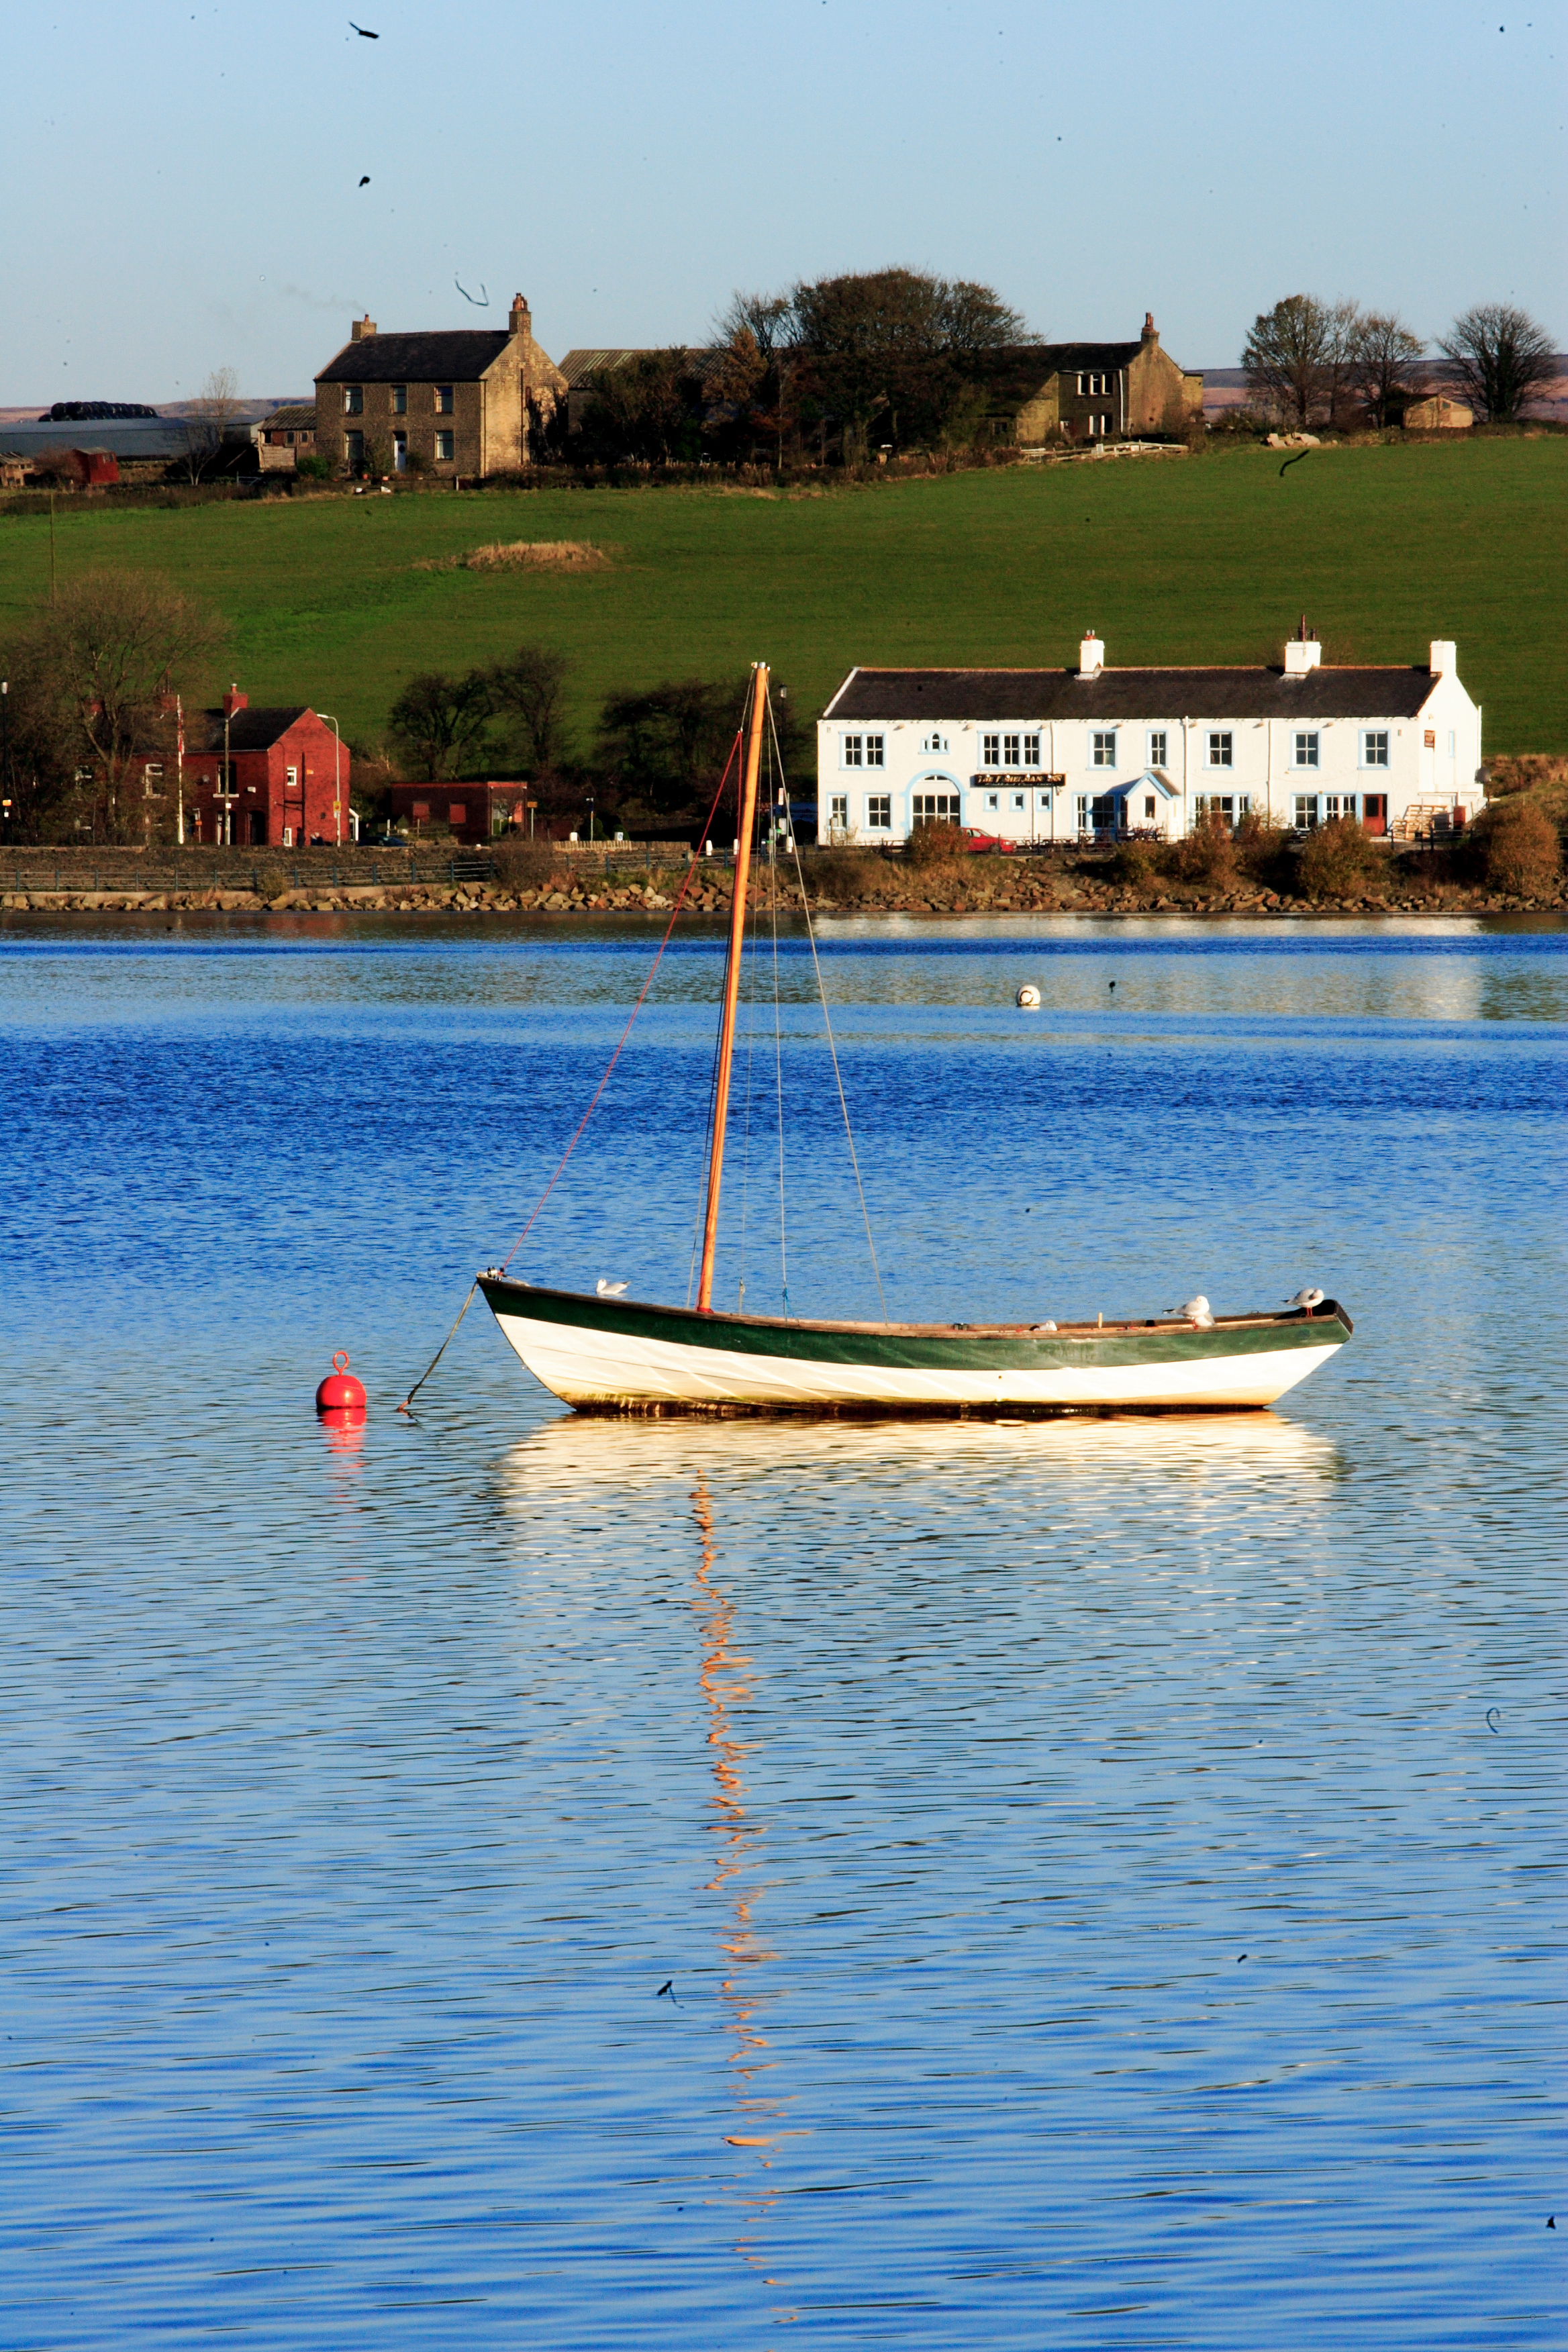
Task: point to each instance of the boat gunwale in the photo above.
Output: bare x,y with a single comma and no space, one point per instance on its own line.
1324,1317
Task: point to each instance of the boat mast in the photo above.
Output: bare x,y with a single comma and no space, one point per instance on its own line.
744,830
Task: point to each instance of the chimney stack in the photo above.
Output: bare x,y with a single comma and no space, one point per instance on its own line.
1091,656
234,700
1302,652
361,328
521,319
1151,331
1444,659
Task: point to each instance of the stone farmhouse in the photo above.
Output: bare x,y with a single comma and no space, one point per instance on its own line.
1044,755
469,401
1090,392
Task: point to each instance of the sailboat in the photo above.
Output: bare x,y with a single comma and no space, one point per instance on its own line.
604,1353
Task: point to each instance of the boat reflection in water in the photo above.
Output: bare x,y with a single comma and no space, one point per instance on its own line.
578,1457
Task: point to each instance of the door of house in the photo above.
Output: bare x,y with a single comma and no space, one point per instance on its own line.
258,828
1375,812
1106,812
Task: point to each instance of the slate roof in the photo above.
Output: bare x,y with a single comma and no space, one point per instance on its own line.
1112,694
459,356
248,730
585,360
299,416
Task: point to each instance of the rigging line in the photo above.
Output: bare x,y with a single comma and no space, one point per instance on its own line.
832,1044
626,1033
699,1211
778,1046
604,1082
746,1146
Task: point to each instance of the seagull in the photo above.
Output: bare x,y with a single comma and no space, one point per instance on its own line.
1307,1298
1196,1311
365,182
611,1289
360,31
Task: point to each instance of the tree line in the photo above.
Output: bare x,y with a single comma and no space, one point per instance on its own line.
1315,362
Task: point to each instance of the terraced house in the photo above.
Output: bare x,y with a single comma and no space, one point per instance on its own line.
1094,752
466,402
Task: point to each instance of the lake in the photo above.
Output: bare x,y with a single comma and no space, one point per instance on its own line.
499,1878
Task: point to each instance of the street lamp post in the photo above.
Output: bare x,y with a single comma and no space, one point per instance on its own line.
590,799
337,773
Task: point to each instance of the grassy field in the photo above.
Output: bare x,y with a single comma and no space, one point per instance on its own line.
1207,558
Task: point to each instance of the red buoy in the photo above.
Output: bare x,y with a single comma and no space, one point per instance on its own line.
340,1392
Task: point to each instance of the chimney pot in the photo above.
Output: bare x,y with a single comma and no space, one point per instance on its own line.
1151,331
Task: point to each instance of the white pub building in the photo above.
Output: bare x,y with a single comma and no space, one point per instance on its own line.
1065,754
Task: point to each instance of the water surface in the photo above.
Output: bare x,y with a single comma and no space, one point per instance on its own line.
1106,1875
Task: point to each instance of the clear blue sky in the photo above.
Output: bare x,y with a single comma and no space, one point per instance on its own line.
180,180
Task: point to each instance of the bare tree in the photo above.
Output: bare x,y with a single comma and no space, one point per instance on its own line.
439,720
100,671
1499,354
210,420
528,689
1384,351
1299,356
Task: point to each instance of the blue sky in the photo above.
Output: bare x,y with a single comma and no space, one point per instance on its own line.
181,182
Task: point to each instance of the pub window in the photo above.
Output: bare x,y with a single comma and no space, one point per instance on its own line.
1306,812
935,743
838,811
991,750
874,749
1148,808
1222,748
879,812
1305,751
1031,758
1158,747
854,750
1374,747
1102,748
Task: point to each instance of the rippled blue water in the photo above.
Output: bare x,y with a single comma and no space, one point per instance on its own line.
1105,1874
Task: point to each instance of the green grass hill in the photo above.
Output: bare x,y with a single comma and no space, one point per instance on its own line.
1210,557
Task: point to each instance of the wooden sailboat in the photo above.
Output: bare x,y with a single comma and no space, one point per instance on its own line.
608,1354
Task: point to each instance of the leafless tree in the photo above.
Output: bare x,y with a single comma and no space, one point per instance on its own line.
528,690
1499,354
99,671
1384,352
1299,356
210,420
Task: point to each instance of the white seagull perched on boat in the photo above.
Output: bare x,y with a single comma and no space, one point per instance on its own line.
1196,1311
1307,1298
611,1289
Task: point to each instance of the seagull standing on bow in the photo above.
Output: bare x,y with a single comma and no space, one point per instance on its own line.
1307,1299
1195,1310
610,1289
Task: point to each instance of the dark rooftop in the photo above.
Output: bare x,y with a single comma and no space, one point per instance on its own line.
961,694
249,730
458,356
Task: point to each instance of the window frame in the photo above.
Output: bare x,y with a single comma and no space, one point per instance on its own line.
446,448
876,801
1308,761
1158,747
1222,761
1376,746
400,399
1305,801
1102,748
353,400
446,399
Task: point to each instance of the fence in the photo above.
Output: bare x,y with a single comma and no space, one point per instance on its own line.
265,871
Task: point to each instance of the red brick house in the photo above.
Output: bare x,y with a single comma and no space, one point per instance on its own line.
473,813
288,781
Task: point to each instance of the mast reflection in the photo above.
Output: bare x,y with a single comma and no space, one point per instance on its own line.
725,1677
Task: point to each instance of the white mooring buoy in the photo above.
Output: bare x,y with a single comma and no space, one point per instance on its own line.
1028,997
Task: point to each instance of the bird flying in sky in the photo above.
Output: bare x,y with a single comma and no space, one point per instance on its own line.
360,31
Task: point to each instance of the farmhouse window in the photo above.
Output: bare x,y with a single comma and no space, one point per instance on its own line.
446,400
1374,747
446,449
1158,746
400,399
1222,749
1305,751
1103,751
1093,386
353,400
879,812
1098,426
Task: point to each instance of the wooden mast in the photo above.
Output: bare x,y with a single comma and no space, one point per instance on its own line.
744,831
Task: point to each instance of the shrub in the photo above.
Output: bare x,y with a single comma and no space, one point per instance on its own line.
526,865
1519,847
1207,854
1262,852
1133,867
1338,861
936,844
310,467
844,874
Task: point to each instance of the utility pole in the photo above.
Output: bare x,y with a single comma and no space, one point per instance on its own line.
337,773
51,547
227,818
179,773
